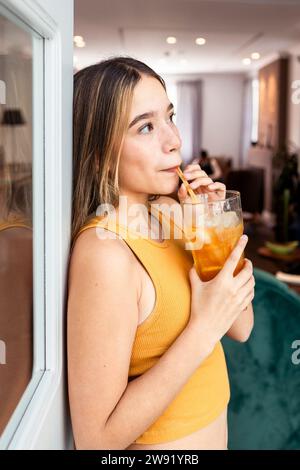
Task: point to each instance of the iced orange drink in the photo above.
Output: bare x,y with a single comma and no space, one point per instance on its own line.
212,229
210,259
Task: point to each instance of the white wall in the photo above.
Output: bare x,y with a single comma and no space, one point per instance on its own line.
222,115
222,111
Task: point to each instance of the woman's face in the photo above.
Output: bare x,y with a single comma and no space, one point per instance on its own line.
151,145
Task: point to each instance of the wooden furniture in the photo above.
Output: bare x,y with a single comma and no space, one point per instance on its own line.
294,256
259,157
273,95
282,260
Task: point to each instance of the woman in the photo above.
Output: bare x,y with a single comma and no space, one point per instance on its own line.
146,367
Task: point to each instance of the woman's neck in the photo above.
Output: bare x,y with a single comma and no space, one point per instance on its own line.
134,212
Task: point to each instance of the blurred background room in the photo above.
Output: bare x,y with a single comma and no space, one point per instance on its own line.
232,69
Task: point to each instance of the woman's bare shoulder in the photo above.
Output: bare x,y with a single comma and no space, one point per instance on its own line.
92,238
104,255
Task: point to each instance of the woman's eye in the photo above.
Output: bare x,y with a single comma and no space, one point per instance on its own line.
146,129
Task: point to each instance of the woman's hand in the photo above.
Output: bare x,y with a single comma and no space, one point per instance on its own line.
201,183
217,303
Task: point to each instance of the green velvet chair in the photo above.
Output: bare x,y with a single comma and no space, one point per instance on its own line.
264,410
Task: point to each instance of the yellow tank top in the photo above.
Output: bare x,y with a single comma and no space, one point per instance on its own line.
206,394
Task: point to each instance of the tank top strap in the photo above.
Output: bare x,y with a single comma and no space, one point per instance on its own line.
172,223
113,225
17,223
104,224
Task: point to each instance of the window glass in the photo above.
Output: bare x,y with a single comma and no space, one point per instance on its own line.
16,235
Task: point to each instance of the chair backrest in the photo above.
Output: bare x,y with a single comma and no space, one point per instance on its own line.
225,164
250,183
264,410
261,157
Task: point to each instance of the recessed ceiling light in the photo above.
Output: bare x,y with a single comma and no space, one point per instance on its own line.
80,44
246,61
171,40
79,41
255,55
200,41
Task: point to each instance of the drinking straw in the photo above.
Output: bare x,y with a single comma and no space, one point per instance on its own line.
187,186
191,237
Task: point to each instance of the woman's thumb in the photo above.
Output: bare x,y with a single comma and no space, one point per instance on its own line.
182,192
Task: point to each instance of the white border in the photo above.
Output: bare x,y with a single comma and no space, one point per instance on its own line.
44,389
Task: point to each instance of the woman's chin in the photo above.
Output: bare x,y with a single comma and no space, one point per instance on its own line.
168,189
168,185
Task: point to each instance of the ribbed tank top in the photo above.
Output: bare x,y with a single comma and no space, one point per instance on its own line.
206,394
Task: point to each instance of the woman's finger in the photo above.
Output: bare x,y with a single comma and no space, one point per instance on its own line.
219,189
245,274
192,167
232,261
198,185
202,181
182,192
217,185
247,301
246,289
191,175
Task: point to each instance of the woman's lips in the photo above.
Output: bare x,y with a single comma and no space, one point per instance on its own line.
171,170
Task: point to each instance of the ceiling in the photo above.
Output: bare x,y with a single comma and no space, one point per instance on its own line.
233,29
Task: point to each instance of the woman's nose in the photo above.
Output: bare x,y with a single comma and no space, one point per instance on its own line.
171,139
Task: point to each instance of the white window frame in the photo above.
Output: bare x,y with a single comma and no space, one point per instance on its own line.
48,263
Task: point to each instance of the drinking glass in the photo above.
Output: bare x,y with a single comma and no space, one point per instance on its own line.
212,226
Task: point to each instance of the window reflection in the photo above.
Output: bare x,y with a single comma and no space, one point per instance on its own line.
16,296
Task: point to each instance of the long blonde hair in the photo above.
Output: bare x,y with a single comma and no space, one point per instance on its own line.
102,98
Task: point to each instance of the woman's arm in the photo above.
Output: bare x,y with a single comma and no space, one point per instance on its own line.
108,412
241,329
243,325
